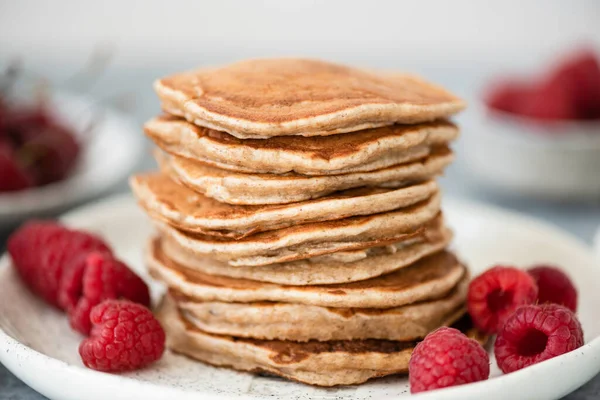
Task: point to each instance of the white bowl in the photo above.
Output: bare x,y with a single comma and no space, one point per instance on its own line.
108,155
558,160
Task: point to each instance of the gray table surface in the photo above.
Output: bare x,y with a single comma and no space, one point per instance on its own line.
582,220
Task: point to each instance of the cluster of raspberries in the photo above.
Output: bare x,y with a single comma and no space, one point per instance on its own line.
531,312
568,91
76,272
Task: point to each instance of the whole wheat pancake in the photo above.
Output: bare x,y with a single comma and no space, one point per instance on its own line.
254,189
366,150
349,266
300,322
314,239
190,211
263,98
429,278
331,363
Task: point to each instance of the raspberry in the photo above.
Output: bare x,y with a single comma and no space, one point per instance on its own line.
125,336
496,293
96,278
32,235
554,286
13,176
40,251
579,75
536,333
446,357
507,96
54,150
550,101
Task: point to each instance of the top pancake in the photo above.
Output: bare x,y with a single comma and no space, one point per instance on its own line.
263,98
367,150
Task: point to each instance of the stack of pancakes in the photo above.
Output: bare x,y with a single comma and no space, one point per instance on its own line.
299,221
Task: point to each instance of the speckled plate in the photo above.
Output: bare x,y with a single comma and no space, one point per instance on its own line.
37,345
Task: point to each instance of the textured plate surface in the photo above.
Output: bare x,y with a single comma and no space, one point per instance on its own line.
37,345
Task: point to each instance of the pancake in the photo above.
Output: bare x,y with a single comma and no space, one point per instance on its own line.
317,363
301,323
366,150
349,266
314,239
254,189
187,210
429,278
263,98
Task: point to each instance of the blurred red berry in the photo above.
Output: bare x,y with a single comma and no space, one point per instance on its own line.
35,149
554,286
570,91
579,75
13,176
53,152
507,96
549,101
41,250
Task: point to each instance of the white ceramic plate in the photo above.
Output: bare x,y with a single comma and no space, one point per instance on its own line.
37,345
109,154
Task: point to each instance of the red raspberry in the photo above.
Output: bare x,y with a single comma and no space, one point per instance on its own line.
446,357
41,250
536,333
34,234
507,96
55,151
496,293
554,286
99,277
579,75
550,101
125,336
13,176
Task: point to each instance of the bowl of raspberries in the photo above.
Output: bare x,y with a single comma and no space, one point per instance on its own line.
539,135
57,150
36,147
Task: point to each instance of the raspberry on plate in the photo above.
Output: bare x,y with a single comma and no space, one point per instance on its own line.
447,357
496,293
554,286
535,333
125,336
96,278
40,250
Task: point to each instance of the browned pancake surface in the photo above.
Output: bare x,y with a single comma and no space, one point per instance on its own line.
277,97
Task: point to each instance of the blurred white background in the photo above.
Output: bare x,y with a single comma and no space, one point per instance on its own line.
390,33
